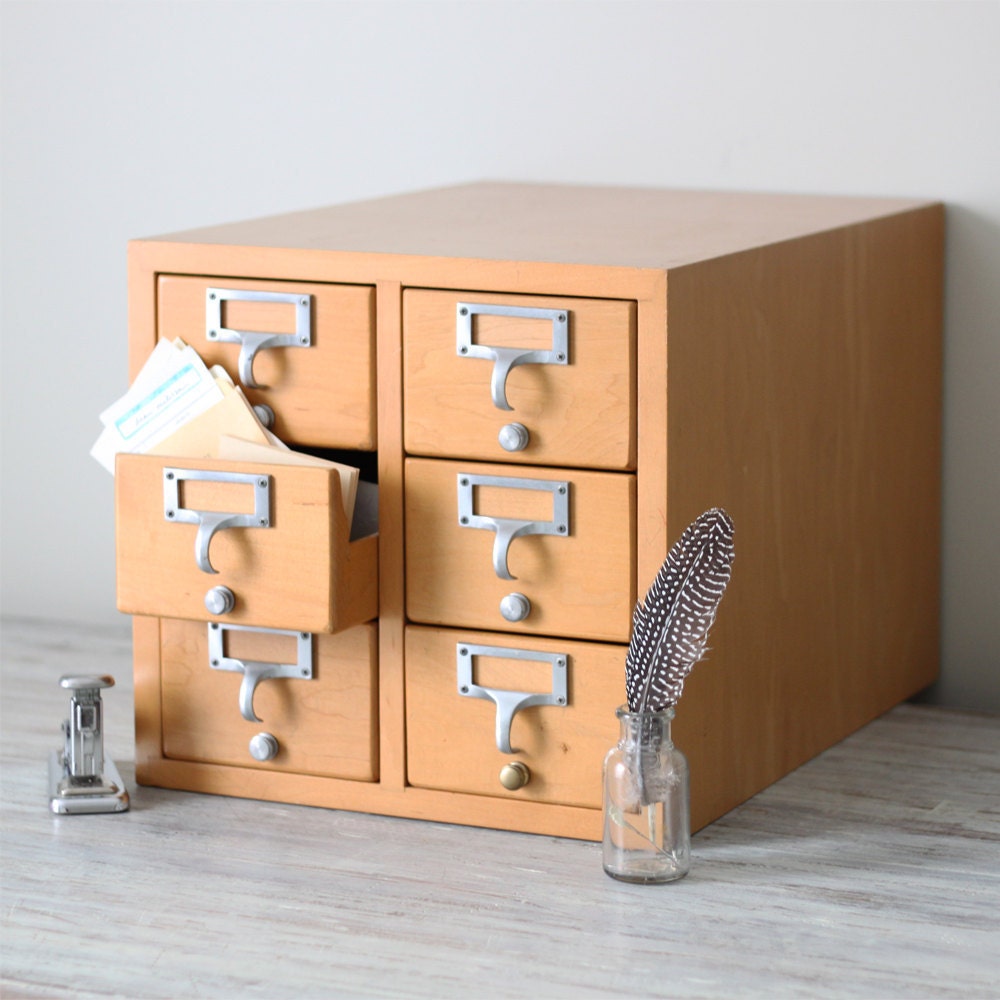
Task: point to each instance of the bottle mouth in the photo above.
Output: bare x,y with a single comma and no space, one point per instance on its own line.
622,712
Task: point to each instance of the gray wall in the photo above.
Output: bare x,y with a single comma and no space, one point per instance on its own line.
124,119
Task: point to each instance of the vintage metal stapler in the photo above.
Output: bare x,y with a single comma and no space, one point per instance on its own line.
81,778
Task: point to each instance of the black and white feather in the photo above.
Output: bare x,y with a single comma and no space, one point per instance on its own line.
670,627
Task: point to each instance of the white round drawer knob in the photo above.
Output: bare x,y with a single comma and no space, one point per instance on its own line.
263,747
515,607
514,437
264,414
220,600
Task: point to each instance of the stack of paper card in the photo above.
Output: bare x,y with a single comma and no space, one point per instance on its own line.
178,406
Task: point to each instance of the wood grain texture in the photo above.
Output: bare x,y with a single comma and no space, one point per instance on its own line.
572,224
809,372
869,873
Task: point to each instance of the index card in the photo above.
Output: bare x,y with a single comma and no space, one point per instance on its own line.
173,387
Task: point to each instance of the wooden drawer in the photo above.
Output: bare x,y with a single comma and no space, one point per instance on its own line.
322,394
575,411
578,579
325,724
452,739
299,571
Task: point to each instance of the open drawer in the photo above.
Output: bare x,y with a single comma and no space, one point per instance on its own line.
240,542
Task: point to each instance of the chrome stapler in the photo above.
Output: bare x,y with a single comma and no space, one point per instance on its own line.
81,778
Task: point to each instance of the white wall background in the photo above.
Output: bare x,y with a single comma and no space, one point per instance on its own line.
128,118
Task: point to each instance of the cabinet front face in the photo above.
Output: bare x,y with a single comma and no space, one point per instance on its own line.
305,350
272,537
546,551
525,379
324,724
463,740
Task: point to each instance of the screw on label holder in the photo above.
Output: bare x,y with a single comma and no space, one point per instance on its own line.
509,703
251,341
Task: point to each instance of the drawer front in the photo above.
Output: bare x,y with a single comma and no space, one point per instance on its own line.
567,375
322,394
325,724
281,546
572,565
452,738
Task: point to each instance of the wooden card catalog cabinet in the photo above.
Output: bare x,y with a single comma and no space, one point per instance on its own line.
547,384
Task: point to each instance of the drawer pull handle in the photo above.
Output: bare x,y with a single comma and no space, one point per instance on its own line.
210,521
509,703
251,341
509,528
505,358
255,671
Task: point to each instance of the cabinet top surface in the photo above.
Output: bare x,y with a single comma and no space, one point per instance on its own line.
558,223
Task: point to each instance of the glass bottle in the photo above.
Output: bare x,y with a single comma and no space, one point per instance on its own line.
647,827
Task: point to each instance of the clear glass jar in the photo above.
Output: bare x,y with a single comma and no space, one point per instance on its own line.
647,826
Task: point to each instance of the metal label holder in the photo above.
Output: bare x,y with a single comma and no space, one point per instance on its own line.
251,341
255,671
505,358
509,703
209,522
509,528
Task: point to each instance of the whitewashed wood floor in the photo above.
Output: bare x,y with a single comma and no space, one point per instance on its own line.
873,871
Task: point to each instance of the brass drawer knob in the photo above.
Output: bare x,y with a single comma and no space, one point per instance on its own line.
514,776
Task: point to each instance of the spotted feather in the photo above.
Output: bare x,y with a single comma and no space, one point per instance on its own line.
670,627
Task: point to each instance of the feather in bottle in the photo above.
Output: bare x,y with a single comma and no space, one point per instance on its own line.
670,627
670,630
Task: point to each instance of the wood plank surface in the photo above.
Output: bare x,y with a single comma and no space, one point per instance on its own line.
870,872
572,224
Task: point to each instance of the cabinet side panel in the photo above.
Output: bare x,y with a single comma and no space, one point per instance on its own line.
805,398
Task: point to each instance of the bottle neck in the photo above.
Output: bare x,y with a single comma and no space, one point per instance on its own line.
645,729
